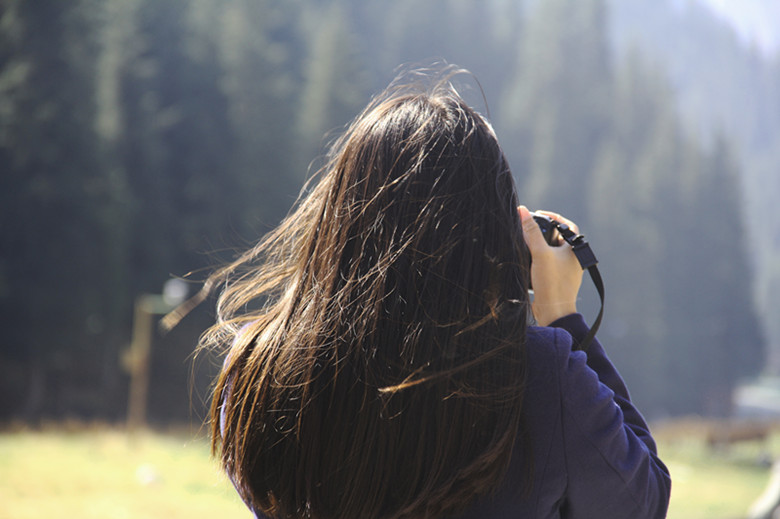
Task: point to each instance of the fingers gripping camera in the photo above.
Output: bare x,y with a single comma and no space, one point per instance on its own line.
552,230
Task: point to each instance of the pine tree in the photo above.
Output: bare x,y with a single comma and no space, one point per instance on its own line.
260,49
53,194
334,82
558,107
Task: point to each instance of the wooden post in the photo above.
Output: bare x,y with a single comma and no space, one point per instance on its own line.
136,360
138,366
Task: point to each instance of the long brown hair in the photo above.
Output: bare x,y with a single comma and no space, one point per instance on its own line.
376,360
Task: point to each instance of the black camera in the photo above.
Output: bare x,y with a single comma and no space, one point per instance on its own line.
556,233
548,227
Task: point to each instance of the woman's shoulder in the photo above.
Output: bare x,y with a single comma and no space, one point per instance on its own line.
551,356
557,341
548,345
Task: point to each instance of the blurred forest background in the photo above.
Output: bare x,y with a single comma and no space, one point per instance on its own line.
141,139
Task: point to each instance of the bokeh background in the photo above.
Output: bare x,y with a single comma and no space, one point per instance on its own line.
142,140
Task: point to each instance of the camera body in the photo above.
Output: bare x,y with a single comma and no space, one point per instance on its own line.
549,230
548,227
556,234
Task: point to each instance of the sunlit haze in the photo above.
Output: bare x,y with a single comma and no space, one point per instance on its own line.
756,21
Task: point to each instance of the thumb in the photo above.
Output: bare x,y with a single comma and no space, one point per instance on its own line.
531,231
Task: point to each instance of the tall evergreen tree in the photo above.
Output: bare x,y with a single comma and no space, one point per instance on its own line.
721,85
559,104
334,80
53,194
627,196
723,291
260,50
666,198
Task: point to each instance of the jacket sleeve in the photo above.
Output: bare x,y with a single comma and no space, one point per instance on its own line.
611,458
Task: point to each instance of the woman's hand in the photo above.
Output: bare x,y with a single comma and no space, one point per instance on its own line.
556,275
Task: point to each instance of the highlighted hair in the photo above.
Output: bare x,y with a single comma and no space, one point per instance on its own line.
376,360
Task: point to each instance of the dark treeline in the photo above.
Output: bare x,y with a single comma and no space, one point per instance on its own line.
721,84
145,138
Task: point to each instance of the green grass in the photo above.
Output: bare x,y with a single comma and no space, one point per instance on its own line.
97,473
715,484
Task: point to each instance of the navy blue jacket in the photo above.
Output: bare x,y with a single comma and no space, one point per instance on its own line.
592,453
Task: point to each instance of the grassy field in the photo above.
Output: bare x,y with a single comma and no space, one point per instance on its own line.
714,484
97,473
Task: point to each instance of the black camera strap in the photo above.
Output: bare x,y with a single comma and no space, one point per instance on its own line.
588,262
